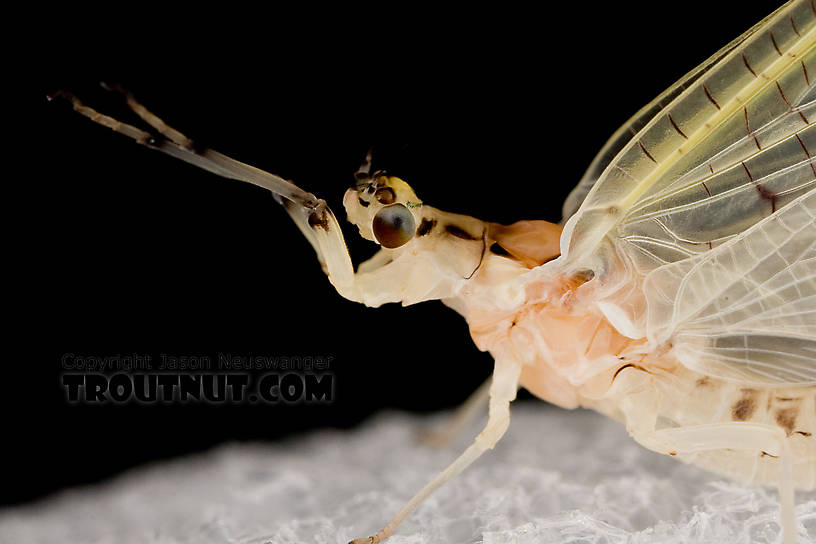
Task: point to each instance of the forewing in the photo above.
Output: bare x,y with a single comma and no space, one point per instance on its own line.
731,148
710,199
624,134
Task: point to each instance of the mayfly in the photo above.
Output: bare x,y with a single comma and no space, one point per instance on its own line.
677,295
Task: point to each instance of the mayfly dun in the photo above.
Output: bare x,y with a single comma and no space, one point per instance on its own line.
677,295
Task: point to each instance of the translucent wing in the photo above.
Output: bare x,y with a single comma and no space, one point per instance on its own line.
746,310
730,148
625,133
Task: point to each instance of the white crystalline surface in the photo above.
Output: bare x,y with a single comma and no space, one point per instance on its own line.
557,476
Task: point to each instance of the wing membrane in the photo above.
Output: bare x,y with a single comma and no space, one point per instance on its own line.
625,133
746,310
700,229
755,96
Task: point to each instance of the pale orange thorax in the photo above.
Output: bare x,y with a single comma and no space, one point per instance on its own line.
568,349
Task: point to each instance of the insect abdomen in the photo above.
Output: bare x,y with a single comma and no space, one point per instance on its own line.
656,397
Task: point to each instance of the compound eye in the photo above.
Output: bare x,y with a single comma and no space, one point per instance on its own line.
393,226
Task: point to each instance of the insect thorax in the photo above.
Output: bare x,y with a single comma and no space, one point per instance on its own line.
573,357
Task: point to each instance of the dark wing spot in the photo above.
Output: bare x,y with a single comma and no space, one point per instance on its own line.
710,97
643,148
776,46
363,203
677,128
748,128
790,106
763,192
425,226
748,66
793,25
453,230
801,143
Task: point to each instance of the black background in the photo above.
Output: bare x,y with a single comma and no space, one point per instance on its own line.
124,250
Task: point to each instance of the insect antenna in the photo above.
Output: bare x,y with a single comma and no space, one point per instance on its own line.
363,173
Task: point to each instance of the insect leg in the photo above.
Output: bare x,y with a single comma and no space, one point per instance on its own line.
464,414
733,435
177,145
150,118
378,260
503,389
309,213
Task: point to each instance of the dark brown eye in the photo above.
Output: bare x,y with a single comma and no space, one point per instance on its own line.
385,195
393,226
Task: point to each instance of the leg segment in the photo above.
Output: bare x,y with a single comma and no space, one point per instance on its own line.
308,211
502,391
151,119
734,435
311,215
181,147
442,436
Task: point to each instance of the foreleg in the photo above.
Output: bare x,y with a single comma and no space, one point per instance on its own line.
443,435
312,216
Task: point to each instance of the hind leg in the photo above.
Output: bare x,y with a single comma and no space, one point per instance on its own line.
733,435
